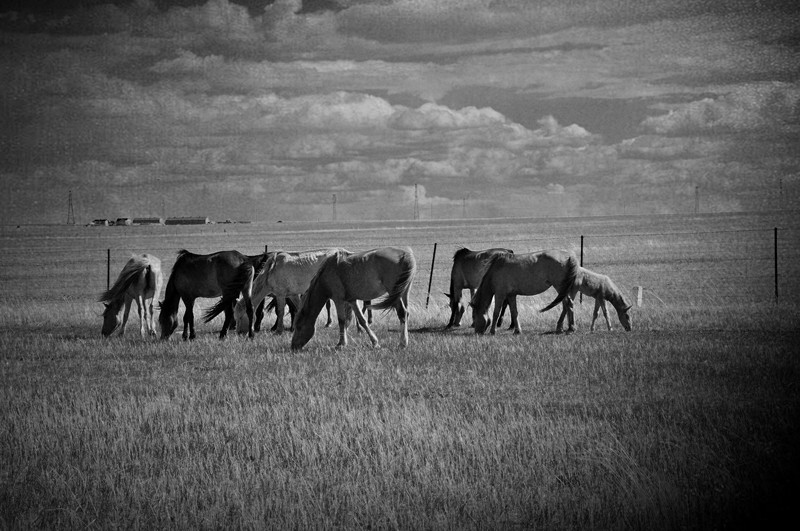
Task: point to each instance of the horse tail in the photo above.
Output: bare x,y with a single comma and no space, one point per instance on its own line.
127,276
566,283
230,291
403,283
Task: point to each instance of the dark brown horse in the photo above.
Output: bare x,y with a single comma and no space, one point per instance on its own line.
347,277
467,272
521,274
225,273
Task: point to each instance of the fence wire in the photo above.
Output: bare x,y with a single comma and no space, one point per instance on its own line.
735,266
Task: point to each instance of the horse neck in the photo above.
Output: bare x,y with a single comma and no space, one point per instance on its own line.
171,297
315,298
484,293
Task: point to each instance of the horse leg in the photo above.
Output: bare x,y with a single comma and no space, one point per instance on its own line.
259,315
471,296
367,306
229,317
570,314
328,308
342,315
605,313
455,309
280,308
496,313
502,312
402,314
512,306
248,308
128,301
151,318
188,320
560,323
363,322
141,309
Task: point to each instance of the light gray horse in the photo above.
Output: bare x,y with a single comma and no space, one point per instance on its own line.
140,280
602,289
348,277
286,275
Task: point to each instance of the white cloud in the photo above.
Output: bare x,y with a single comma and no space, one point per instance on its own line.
433,116
744,108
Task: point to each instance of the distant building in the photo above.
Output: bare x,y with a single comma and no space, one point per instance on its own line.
100,223
148,221
124,221
187,221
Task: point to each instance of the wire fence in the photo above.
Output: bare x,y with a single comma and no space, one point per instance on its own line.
687,267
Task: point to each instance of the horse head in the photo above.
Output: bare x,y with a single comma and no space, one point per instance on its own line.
303,327
625,317
480,320
167,320
110,319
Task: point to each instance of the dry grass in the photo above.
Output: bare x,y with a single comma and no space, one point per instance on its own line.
689,421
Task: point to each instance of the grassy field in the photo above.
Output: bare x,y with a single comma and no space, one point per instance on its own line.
688,421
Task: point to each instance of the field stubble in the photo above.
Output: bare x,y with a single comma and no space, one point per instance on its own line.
686,422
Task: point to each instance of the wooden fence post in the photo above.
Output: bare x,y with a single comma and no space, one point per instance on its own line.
581,295
775,260
430,279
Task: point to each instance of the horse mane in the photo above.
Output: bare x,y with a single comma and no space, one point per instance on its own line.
127,276
460,253
480,296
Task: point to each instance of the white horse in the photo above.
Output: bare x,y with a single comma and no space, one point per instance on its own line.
140,280
286,275
602,289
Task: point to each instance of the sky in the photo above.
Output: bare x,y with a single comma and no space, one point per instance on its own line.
389,109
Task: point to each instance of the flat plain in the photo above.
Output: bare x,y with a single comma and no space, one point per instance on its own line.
688,421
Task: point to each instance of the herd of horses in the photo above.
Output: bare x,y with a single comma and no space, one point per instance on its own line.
307,281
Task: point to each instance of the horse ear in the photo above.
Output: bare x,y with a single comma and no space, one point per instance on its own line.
449,296
628,307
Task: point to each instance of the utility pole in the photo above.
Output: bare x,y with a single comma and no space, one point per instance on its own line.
70,211
333,205
416,202
464,207
696,199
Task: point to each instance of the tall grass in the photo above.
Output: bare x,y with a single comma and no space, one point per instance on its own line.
686,422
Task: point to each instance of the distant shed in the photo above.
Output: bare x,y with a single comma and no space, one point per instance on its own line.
124,221
148,221
187,221
100,223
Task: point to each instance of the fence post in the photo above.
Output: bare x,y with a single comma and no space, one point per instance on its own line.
581,295
775,261
430,279
108,269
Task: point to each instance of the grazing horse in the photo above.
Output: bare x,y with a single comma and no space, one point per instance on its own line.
602,289
468,269
140,280
225,273
346,277
285,276
521,274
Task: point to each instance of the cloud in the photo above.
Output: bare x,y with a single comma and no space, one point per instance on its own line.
432,116
654,147
745,108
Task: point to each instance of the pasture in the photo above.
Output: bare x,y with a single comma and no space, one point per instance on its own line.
688,421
